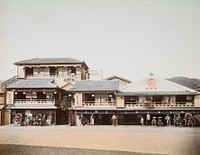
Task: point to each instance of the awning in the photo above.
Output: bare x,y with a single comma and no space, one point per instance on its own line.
32,106
159,111
94,110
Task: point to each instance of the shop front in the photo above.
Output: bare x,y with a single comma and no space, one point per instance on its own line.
33,117
95,117
33,114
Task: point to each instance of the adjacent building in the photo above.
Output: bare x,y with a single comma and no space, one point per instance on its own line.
152,96
2,104
41,83
94,99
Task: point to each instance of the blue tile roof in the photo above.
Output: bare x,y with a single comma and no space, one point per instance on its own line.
33,83
40,61
96,86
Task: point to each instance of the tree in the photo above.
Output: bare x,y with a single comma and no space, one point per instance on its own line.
65,104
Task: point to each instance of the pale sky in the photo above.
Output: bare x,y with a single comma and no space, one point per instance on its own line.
129,38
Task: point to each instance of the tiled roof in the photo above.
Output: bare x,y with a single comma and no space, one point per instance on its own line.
115,77
8,82
95,86
38,61
153,85
33,83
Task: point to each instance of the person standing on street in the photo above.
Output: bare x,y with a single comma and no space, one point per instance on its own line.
114,120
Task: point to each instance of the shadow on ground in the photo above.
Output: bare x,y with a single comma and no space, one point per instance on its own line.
8,149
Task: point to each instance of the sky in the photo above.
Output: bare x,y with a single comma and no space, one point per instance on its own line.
129,38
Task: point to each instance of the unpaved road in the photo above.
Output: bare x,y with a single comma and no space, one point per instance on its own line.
155,140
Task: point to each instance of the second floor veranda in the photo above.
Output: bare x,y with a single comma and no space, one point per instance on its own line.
159,101
97,99
39,97
53,72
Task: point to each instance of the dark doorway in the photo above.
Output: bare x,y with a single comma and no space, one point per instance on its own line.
106,119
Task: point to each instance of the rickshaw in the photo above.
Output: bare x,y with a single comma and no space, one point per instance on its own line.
38,119
17,120
160,122
189,120
178,121
154,122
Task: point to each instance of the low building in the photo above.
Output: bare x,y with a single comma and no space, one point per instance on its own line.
96,99
150,97
156,97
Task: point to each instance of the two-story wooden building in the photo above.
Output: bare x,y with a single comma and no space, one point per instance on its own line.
156,97
39,89
96,99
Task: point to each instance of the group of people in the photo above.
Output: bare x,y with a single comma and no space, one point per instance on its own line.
38,120
176,121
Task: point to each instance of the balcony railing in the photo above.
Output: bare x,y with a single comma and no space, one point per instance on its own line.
62,75
159,104
93,103
34,101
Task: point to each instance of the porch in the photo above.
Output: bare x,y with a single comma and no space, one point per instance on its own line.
34,101
159,104
98,99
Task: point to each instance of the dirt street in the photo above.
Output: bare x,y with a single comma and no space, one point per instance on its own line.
155,140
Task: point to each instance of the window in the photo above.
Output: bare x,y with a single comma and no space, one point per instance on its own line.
131,99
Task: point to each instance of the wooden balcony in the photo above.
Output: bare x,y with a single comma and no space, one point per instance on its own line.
46,75
34,101
159,104
92,103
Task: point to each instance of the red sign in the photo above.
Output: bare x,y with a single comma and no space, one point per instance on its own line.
151,83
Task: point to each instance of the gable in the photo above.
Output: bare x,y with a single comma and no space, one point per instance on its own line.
67,86
155,85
